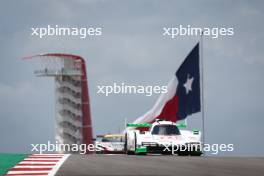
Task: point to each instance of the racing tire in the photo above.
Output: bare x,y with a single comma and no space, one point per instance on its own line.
196,153
134,153
183,153
126,151
166,153
125,144
130,153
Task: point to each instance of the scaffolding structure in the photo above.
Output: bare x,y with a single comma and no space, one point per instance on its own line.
73,116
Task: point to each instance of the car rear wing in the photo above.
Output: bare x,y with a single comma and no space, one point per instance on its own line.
147,125
139,125
100,136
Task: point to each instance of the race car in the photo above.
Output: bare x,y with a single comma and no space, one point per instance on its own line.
110,143
164,137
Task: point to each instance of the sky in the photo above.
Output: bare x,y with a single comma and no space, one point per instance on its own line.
133,50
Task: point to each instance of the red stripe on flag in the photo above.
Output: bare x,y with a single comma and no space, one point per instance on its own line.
170,110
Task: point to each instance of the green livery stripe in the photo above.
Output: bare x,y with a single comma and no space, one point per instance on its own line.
138,125
8,161
141,150
181,125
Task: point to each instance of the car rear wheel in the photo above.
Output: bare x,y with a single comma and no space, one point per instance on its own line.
183,153
196,153
126,149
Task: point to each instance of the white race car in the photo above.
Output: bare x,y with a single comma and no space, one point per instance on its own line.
163,137
110,143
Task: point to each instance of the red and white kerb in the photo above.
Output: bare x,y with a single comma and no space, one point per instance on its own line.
38,164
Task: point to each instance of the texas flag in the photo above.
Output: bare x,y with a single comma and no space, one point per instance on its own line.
183,96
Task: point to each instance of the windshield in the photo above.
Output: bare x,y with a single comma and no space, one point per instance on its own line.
165,130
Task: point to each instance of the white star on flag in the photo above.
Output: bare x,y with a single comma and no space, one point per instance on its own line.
188,84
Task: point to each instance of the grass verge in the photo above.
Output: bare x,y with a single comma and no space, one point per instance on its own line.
8,161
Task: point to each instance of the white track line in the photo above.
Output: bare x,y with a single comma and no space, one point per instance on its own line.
36,162
49,157
50,154
33,166
58,165
39,159
27,172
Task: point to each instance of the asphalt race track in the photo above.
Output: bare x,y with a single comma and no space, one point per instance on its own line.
160,165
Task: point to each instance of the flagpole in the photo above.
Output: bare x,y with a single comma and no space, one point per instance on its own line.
202,88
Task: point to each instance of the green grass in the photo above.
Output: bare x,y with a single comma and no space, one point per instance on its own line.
9,160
